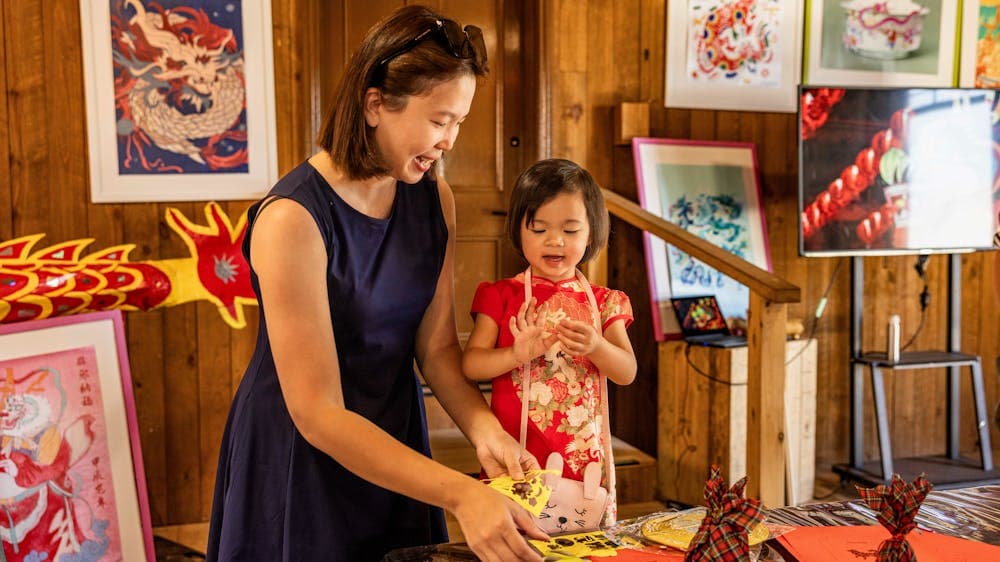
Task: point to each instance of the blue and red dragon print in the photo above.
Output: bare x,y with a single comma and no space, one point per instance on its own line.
180,95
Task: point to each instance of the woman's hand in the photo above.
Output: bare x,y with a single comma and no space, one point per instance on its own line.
528,332
578,338
503,455
489,523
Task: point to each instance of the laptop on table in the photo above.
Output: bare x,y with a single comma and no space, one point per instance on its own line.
702,322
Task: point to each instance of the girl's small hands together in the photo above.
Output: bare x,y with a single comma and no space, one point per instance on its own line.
528,331
578,338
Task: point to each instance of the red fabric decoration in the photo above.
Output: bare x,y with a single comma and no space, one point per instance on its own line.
724,533
897,505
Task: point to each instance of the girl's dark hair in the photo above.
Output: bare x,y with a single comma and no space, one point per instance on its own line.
345,134
541,182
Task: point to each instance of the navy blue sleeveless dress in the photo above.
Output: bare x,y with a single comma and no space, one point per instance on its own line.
276,496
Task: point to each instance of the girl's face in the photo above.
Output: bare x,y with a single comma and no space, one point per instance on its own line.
413,138
555,241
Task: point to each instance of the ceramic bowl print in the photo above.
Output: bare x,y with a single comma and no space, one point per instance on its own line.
883,29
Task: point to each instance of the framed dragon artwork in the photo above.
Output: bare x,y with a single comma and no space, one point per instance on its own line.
72,483
180,99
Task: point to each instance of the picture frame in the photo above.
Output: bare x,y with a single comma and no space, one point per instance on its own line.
180,99
980,48
712,190
70,441
852,43
761,77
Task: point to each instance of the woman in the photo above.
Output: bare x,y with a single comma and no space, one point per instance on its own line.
325,453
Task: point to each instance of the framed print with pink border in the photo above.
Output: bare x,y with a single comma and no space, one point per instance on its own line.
710,189
72,485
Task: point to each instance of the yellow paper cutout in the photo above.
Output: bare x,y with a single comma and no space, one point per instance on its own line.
677,529
531,493
576,547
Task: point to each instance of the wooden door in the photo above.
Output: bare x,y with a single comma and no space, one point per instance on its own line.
494,143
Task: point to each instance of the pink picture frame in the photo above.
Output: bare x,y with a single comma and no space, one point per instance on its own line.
712,190
70,461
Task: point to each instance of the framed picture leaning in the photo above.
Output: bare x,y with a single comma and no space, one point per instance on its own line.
72,484
711,190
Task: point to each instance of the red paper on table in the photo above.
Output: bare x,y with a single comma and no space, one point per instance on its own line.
632,555
840,544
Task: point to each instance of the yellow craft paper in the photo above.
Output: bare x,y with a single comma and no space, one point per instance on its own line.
531,493
576,547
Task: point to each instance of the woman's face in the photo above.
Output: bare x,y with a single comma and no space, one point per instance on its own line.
413,138
555,241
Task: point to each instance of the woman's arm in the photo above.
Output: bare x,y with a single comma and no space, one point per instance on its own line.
439,357
290,260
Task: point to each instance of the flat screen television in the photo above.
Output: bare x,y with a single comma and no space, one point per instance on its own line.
897,171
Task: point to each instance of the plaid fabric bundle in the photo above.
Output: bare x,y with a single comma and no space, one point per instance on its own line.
724,533
896,505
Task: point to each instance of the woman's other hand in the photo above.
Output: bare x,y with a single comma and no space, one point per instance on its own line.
503,455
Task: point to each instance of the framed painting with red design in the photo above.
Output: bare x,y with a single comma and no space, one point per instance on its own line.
710,189
72,485
733,54
180,99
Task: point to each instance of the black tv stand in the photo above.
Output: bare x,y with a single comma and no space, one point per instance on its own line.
944,471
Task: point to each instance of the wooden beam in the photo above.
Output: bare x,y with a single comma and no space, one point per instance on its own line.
765,400
768,285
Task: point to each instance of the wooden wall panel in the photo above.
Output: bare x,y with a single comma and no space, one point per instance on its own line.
6,208
185,361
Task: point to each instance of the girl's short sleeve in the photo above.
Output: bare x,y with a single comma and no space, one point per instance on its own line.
617,306
487,301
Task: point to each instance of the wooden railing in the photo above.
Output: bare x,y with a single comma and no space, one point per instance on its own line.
766,319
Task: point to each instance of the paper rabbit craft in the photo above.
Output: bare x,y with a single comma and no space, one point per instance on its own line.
574,506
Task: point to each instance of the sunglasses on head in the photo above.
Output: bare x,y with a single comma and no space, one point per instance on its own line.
462,44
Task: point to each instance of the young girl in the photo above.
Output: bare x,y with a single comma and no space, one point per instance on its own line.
557,220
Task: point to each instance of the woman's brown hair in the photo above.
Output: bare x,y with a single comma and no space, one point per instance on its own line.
541,182
384,61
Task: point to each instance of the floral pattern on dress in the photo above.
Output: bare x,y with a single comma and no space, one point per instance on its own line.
565,396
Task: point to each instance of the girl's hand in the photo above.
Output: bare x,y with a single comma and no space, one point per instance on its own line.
578,338
489,523
528,333
504,455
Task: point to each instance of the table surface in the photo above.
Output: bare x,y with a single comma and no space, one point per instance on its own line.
970,513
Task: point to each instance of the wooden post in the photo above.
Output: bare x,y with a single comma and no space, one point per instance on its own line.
765,400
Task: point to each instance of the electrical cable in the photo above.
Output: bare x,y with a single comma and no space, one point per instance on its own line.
920,326
925,300
687,357
820,307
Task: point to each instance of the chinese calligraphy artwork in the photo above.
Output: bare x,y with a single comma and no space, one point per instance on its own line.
68,487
